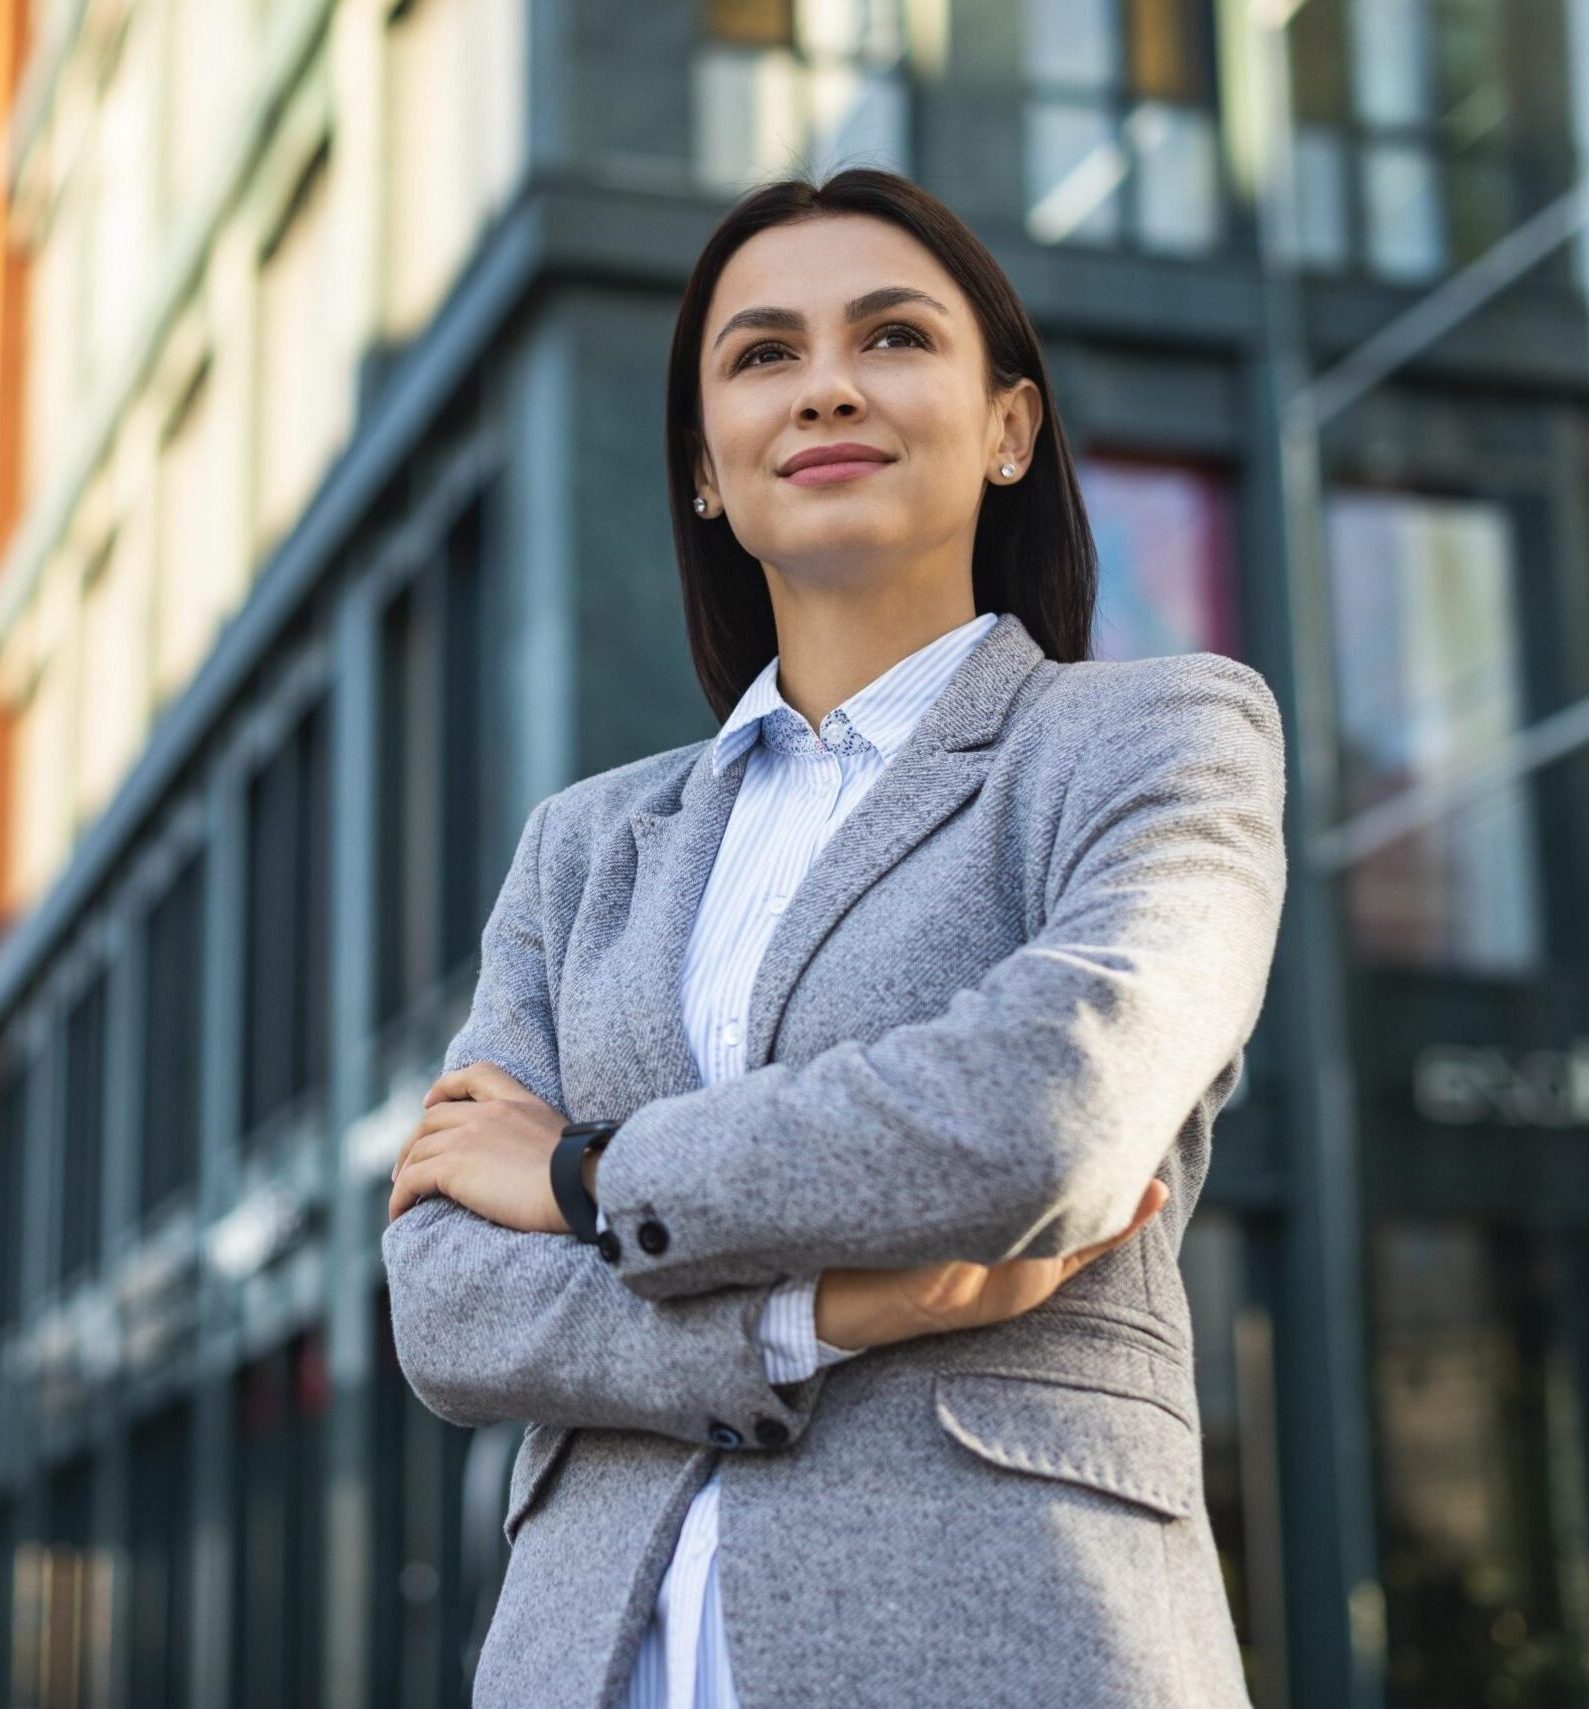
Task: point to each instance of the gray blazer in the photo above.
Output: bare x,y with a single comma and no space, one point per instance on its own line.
1016,984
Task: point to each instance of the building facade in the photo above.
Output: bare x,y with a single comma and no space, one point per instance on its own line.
331,367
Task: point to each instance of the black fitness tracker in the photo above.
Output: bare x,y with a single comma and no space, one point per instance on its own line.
568,1183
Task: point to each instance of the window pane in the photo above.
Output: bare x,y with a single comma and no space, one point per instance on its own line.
285,914
173,1011
1166,50
1484,1523
411,796
1166,559
1429,679
1390,61
279,1528
82,1165
1321,197
13,1137
757,23
1177,163
461,805
1071,42
1402,211
1317,43
1074,168
160,1602
429,1582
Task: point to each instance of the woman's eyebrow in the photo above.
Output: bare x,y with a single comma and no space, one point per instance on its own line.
858,308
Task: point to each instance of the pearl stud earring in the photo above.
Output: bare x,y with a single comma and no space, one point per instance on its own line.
1006,469
700,506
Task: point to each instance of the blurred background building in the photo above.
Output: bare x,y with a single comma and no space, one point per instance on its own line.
334,536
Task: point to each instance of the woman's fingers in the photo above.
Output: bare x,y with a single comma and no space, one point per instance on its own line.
1149,1205
476,1080
444,1115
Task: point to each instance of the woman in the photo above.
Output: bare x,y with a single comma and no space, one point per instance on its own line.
906,1001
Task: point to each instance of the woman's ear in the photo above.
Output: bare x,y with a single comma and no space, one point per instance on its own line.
704,475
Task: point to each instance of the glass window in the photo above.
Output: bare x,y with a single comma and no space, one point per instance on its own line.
1166,559
1233,1334
279,1527
1429,680
1323,212
1390,61
433,1595
1073,42
112,703
288,856
199,571
432,676
302,402
1119,138
752,23
74,1665
1484,1526
1402,211
13,1147
159,1613
456,133
1177,160
83,1132
10,1607
173,1039
1074,169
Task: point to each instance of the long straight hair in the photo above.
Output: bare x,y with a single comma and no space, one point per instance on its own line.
1033,553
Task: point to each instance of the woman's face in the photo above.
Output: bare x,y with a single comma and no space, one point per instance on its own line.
906,377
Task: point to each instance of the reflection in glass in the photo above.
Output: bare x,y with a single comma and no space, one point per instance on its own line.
1117,131
1429,683
1232,1338
1483,1526
1401,211
1073,42
1166,559
1177,159
1390,61
1074,169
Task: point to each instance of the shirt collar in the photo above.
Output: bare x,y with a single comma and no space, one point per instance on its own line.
882,713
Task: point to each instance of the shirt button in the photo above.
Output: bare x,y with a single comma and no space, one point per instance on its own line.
777,904
731,1031
652,1235
724,1435
607,1245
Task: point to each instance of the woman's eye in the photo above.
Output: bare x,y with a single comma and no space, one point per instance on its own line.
910,332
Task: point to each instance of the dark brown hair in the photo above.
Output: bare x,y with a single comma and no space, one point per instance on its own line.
1034,553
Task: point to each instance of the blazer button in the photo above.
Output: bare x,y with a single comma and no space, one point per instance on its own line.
653,1237
724,1435
771,1432
607,1245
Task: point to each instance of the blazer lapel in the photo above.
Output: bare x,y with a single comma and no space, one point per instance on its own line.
938,768
674,852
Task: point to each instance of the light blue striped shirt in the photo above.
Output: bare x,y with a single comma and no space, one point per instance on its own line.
799,786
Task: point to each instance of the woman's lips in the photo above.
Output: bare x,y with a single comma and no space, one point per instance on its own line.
829,474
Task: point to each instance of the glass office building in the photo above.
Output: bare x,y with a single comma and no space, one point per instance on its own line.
345,542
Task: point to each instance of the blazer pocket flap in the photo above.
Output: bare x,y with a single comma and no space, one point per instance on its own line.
537,1454
1111,1439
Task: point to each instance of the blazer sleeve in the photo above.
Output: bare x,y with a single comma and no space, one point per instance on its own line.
1028,1117
492,1323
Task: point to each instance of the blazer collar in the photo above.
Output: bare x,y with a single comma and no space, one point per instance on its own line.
940,765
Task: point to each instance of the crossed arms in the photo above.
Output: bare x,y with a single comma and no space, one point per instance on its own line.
1043,1098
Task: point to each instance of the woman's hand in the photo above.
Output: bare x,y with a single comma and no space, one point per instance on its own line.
485,1142
859,1308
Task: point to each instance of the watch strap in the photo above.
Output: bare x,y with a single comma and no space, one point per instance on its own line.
568,1184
